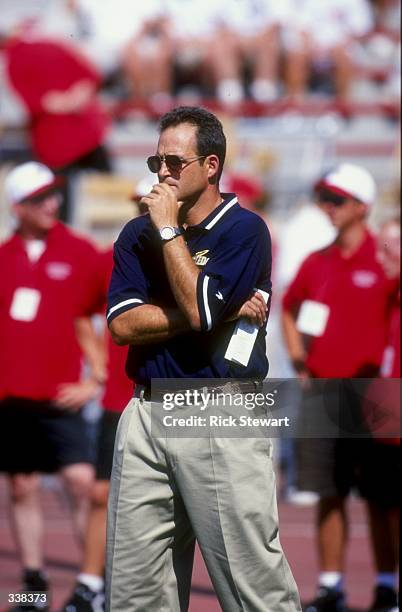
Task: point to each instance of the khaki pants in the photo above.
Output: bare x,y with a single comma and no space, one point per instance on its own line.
165,492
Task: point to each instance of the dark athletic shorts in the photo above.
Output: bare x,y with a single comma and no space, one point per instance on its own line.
36,436
328,466
382,475
333,466
105,444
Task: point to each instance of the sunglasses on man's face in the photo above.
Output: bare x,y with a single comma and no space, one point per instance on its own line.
173,162
329,197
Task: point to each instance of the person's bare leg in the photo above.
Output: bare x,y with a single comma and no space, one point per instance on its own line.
331,534
296,73
79,479
298,56
149,69
90,580
26,518
224,56
267,54
394,518
343,70
384,531
95,539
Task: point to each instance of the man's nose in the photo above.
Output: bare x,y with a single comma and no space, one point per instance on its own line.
52,202
164,170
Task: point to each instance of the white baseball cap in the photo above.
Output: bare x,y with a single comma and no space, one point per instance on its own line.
28,181
350,180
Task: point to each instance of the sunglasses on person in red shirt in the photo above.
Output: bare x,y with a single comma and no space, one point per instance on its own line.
325,196
41,198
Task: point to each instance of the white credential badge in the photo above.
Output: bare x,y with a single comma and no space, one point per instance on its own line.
25,304
312,318
243,338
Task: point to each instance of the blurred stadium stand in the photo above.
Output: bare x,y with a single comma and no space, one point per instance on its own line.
286,143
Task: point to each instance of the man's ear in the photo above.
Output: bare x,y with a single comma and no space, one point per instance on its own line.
213,168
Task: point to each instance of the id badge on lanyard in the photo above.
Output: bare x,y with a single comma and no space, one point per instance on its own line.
313,317
25,304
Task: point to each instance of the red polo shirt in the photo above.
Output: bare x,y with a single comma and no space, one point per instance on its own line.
391,362
118,387
387,395
38,305
39,65
358,296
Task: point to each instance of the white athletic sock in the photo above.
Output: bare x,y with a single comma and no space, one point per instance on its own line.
387,579
230,91
95,583
331,580
263,90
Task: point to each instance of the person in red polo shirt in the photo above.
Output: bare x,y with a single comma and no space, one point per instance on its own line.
383,463
88,593
335,321
48,289
389,256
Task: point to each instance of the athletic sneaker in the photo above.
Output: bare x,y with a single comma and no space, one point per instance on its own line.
385,600
33,582
327,600
84,599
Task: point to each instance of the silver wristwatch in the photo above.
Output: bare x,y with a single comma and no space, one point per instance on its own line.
168,233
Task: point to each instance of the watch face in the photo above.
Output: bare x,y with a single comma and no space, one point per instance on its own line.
167,233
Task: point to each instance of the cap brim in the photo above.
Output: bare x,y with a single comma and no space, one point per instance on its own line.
55,184
337,190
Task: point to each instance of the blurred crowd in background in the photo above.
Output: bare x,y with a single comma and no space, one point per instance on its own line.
230,50
299,85
81,81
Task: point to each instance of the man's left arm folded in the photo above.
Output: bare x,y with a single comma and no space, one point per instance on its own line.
231,277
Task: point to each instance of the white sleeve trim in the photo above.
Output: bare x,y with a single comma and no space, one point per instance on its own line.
206,305
122,304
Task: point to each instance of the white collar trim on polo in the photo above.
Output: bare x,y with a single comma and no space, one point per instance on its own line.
220,214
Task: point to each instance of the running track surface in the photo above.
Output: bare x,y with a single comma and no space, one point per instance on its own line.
297,536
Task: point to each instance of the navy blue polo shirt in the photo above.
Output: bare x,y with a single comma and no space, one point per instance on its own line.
232,249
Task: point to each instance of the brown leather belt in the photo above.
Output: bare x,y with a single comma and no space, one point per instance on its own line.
157,395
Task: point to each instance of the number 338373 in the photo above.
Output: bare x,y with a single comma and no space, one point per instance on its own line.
27,597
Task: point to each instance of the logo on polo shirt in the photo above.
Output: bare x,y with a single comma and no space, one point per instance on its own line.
200,258
58,270
364,278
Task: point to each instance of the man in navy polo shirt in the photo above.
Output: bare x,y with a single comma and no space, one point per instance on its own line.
183,275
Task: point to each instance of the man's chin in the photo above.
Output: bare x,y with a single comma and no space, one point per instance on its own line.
48,225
